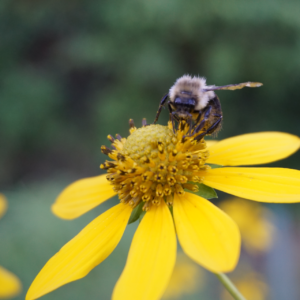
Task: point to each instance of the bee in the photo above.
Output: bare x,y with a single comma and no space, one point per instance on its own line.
190,99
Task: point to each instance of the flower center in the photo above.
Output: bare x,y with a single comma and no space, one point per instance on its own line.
154,163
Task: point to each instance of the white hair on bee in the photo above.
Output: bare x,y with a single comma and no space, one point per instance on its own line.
194,85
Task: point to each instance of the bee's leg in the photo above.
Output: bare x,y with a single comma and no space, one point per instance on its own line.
210,130
173,118
161,105
218,115
197,121
205,114
189,121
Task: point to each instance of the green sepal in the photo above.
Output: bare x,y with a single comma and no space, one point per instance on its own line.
205,191
215,166
142,216
136,213
171,210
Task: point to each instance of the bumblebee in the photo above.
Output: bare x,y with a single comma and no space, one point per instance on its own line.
190,99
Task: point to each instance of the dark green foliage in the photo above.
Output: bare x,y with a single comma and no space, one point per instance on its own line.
74,71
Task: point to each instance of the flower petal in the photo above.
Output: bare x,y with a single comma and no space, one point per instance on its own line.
210,143
84,252
82,196
3,205
10,284
253,149
151,258
206,234
276,185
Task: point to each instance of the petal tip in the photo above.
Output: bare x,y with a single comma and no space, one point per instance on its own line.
218,248
55,209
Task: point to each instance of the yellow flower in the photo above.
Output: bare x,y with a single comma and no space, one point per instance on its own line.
254,222
10,285
186,278
153,169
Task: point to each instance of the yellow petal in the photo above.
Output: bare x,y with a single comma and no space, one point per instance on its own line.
81,196
151,258
206,234
210,143
253,149
3,205
84,252
10,284
276,185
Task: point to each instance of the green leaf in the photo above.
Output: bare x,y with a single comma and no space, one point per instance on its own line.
136,213
205,191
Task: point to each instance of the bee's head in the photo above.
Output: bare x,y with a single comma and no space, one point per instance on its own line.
190,90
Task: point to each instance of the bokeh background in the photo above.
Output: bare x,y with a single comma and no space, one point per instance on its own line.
72,72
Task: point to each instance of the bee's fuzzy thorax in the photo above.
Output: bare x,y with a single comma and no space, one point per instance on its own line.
195,85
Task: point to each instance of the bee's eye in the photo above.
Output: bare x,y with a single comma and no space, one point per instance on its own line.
177,100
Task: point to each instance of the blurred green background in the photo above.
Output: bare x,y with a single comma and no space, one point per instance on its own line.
72,72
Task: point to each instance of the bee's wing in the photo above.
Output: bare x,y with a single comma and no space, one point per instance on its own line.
232,87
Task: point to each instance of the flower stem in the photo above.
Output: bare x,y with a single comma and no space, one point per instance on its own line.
234,292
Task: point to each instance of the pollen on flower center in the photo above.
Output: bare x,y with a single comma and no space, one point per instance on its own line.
154,163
